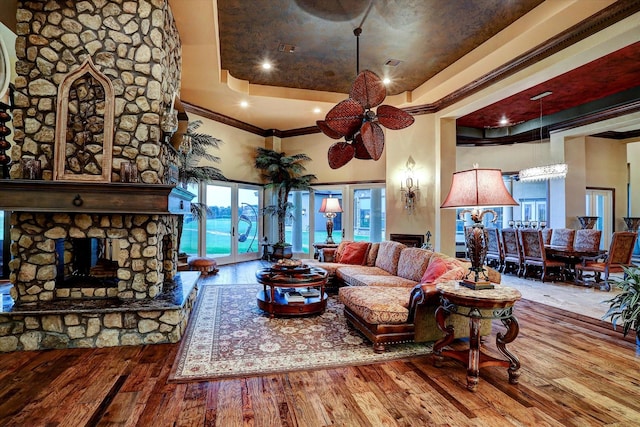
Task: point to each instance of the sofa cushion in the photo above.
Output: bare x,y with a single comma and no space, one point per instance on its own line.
412,263
355,253
330,267
382,280
373,253
347,272
436,268
377,305
388,256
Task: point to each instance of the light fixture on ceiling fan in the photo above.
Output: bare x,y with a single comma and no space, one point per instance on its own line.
354,120
545,172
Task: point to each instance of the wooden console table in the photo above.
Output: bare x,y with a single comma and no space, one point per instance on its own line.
318,246
494,303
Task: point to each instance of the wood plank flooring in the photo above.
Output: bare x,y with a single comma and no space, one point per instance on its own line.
576,371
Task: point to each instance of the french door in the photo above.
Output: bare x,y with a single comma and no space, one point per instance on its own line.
599,202
232,226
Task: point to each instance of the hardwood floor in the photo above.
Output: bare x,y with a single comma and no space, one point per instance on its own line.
576,371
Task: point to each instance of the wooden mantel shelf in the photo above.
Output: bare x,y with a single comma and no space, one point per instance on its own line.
92,197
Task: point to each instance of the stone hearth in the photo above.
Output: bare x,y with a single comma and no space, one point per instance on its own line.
93,78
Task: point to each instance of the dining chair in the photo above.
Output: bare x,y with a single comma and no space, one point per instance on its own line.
512,253
587,241
563,237
534,255
495,253
618,256
546,235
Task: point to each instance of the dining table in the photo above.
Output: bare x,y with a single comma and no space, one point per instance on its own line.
571,257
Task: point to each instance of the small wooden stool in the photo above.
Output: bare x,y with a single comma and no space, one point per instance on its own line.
203,264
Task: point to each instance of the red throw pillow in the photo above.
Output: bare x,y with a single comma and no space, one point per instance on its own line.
436,268
355,253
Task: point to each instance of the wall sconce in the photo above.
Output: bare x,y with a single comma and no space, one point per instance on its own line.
410,188
330,208
169,121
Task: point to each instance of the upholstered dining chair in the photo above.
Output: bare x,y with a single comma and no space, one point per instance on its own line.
587,240
534,255
546,235
512,253
495,253
618,256
563,237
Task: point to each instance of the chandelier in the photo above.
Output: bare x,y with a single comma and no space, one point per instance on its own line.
543,173
546,172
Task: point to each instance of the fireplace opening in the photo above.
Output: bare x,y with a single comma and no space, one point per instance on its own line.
86,263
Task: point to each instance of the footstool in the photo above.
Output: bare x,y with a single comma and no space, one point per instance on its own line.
203,264
380,313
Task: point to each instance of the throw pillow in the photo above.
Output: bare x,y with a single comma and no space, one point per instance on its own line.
436,268
373,253
340,250
455,274
355,253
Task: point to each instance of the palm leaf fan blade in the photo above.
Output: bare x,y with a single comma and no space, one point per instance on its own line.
373,139
327,130
368,89
345,118
361,151
339,154
394,118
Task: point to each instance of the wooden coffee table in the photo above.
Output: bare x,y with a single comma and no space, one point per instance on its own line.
274,279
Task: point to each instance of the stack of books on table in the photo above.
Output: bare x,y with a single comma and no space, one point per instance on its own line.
293,296
310,292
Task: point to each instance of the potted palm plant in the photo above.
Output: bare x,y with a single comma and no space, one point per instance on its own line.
195,148
282,174
625,306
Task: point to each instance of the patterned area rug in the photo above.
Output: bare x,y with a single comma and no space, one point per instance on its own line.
229,336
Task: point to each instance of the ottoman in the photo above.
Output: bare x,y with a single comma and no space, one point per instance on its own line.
203,264
380,313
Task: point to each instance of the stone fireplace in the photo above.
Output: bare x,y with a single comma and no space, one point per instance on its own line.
94,256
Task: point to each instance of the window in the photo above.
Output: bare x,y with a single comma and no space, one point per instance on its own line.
362,218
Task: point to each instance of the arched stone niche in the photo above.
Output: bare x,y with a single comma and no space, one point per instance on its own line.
84,126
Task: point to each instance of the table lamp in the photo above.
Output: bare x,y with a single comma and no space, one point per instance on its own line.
330,208
472,190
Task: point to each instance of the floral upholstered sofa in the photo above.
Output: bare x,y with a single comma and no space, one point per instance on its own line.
389,290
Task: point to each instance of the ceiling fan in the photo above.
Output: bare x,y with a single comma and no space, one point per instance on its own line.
355,120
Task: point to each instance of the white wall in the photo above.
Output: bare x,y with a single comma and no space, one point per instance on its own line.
237,152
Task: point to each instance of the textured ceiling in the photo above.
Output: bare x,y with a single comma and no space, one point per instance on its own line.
447,51
598,79
426,36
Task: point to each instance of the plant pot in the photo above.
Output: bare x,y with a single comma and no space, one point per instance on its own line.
280,252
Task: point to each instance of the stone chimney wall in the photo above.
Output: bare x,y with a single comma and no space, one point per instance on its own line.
134,43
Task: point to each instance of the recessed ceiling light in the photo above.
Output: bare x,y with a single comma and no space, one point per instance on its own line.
386,80
317,110
244,104
504,121
266,65
286,47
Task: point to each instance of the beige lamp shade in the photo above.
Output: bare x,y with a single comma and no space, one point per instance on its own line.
476,188
330,205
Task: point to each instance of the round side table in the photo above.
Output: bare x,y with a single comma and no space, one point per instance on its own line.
494,303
